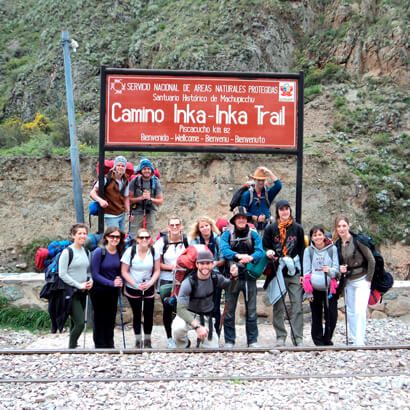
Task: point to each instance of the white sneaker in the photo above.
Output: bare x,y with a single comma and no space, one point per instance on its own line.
229,345
254,345
171,343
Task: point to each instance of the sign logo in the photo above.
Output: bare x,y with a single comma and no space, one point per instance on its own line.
117,86
286,91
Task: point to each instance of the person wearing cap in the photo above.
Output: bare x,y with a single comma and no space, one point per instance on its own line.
116,204
284,242
240,245
145,197
259,198
195,302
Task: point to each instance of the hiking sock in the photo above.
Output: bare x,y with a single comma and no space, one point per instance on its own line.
138,341
147,342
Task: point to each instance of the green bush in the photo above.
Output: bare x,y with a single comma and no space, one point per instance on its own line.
18,319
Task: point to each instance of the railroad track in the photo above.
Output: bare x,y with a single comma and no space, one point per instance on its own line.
233,375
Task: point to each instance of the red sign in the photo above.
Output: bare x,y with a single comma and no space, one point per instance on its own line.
201,111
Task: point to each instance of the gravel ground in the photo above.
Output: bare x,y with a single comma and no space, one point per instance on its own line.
358,379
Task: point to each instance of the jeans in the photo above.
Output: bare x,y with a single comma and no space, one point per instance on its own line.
248,287
118,221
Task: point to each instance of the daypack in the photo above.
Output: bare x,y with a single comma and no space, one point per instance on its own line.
40,259
382,280
51,271
92,241
193,279
234,241
236,197
164,236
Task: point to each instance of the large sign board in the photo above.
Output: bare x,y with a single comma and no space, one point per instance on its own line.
177,110
201,111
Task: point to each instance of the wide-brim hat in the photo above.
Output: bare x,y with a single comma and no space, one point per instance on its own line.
259,175
239,210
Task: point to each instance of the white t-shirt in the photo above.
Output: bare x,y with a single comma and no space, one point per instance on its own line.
141,269
169,257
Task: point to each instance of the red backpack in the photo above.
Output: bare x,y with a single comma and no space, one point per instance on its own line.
186,263
40,257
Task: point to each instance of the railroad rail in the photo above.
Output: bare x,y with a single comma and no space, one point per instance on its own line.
204,350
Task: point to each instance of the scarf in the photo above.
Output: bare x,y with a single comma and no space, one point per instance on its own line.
283,226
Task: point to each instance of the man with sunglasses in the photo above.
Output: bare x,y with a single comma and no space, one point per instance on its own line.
195,302
258,199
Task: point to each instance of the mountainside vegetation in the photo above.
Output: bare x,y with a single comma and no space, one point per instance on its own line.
354,54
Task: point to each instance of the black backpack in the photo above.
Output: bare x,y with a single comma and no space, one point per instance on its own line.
236,197
382,280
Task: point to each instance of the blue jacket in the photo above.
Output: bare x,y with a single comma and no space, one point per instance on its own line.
259,205
229,254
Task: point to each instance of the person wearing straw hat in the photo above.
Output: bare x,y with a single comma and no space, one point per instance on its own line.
258,199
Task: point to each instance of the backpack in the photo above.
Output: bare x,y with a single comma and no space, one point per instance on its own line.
234,241
94,206
40,258
193,279
236,197
56,247
164,236
382,280
51,271
153,185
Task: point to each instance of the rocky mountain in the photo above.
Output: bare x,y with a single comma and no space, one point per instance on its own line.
354,55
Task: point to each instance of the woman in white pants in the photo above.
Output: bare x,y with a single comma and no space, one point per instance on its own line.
357,268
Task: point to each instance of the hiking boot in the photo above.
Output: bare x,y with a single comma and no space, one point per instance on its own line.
171,343
147,344
138,344
280,342
229,345
254,345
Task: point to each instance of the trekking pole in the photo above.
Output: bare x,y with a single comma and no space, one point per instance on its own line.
344,297
144,219
87,301
121,316
282,296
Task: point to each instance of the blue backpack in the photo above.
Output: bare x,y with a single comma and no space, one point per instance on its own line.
51,271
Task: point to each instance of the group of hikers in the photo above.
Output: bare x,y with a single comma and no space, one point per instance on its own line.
319,269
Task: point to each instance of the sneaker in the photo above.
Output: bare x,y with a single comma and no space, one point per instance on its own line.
139,344
229,345
171,343
254,345
147,344
280,342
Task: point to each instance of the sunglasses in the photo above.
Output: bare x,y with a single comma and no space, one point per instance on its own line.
114,236
144,237
174,225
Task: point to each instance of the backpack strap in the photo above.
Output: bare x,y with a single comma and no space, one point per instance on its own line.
70,256
167,243
133,252
193,279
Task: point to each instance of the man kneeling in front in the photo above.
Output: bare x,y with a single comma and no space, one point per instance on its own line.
195,303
